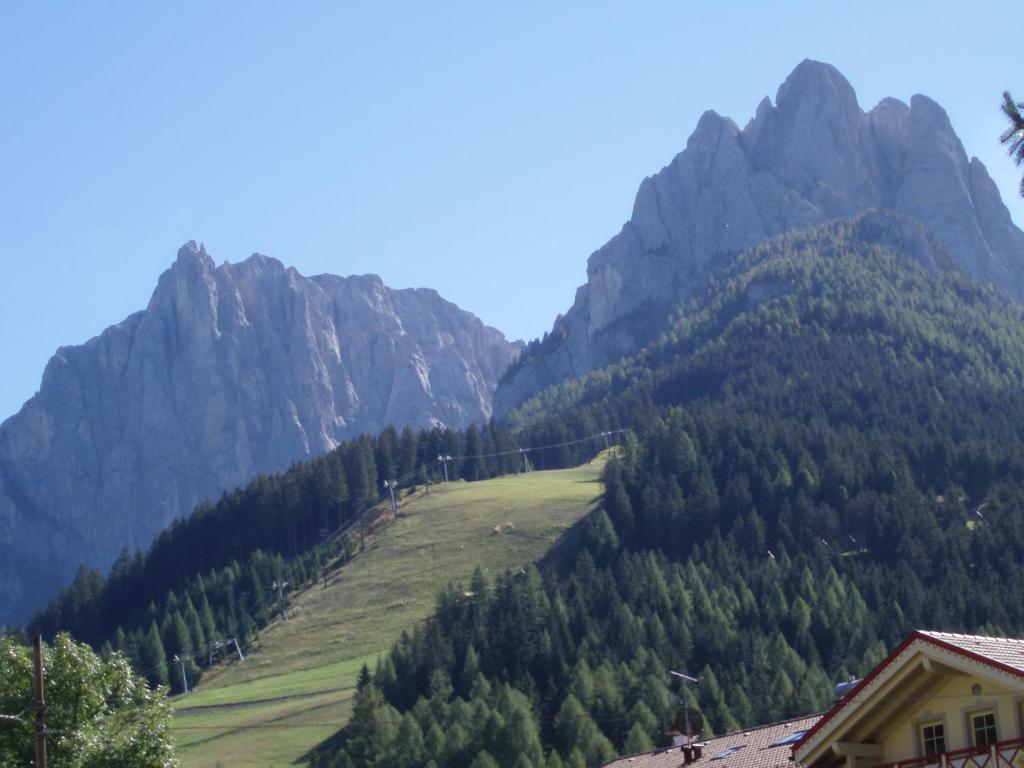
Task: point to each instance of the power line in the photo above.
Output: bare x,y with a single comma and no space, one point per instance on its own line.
390,487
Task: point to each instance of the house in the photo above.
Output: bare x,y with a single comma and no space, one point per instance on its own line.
938,700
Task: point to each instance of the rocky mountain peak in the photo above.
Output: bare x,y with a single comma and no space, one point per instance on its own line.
191,255
711,129
813,156
817,91
229,372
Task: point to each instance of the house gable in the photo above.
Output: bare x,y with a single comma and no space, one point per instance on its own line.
931,680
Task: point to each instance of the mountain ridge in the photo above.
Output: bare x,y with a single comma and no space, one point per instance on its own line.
812,157
785,274
230,371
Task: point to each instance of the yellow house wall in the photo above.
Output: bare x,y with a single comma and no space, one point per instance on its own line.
952,704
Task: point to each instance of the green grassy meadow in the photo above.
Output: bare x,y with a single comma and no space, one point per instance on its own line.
294,689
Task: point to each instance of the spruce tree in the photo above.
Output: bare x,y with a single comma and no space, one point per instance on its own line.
484,760
153,658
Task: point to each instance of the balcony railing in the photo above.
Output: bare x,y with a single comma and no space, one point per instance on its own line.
1001,754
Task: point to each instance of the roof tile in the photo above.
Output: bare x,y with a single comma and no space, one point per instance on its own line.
755,749
1004,650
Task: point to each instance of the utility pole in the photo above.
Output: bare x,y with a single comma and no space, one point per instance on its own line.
391,485
279,586
241,656
37,646
184,677
526,463
444,462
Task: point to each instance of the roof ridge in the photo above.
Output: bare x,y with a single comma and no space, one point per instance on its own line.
762,727
964,635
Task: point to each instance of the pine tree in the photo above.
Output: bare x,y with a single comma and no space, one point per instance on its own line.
475,466
1013,136
578,733
484,760
637,741
409,746
153,658
407,445
182,641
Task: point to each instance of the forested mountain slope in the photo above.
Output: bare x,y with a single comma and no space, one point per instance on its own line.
828,454
301,674
231,371
208,576
812,156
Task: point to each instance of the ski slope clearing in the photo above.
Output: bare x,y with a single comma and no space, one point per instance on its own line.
294,689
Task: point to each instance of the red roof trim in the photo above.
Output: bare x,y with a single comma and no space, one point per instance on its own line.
974,656
899,649
855,690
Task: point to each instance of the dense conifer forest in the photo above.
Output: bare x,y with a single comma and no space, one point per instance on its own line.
208,578
819,448
827,456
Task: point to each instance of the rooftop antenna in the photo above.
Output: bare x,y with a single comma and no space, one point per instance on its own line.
691,718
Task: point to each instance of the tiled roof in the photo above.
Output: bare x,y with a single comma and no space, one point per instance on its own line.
754,748
1003,650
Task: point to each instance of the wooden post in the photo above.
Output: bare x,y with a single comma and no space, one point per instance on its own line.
40,704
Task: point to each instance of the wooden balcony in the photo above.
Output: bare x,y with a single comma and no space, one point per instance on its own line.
1002,754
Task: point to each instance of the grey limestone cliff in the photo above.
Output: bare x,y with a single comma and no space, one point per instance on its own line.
812,156
231,371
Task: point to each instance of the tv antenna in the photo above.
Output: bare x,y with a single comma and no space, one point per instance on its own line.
689,721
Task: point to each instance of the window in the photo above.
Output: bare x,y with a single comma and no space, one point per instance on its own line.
728,752
792,738
983,728
933,739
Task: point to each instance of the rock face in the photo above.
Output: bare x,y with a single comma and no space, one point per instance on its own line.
813,156
229,372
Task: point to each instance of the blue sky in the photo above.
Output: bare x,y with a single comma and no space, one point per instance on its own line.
481,149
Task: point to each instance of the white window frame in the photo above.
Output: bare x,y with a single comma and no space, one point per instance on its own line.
971,733
919,736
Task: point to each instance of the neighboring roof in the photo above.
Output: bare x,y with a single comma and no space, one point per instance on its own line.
755,748
1003,653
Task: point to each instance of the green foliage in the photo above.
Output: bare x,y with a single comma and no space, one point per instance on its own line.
825,446
98,715
1013,136
207,578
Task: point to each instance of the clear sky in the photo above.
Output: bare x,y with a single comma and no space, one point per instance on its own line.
481,149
